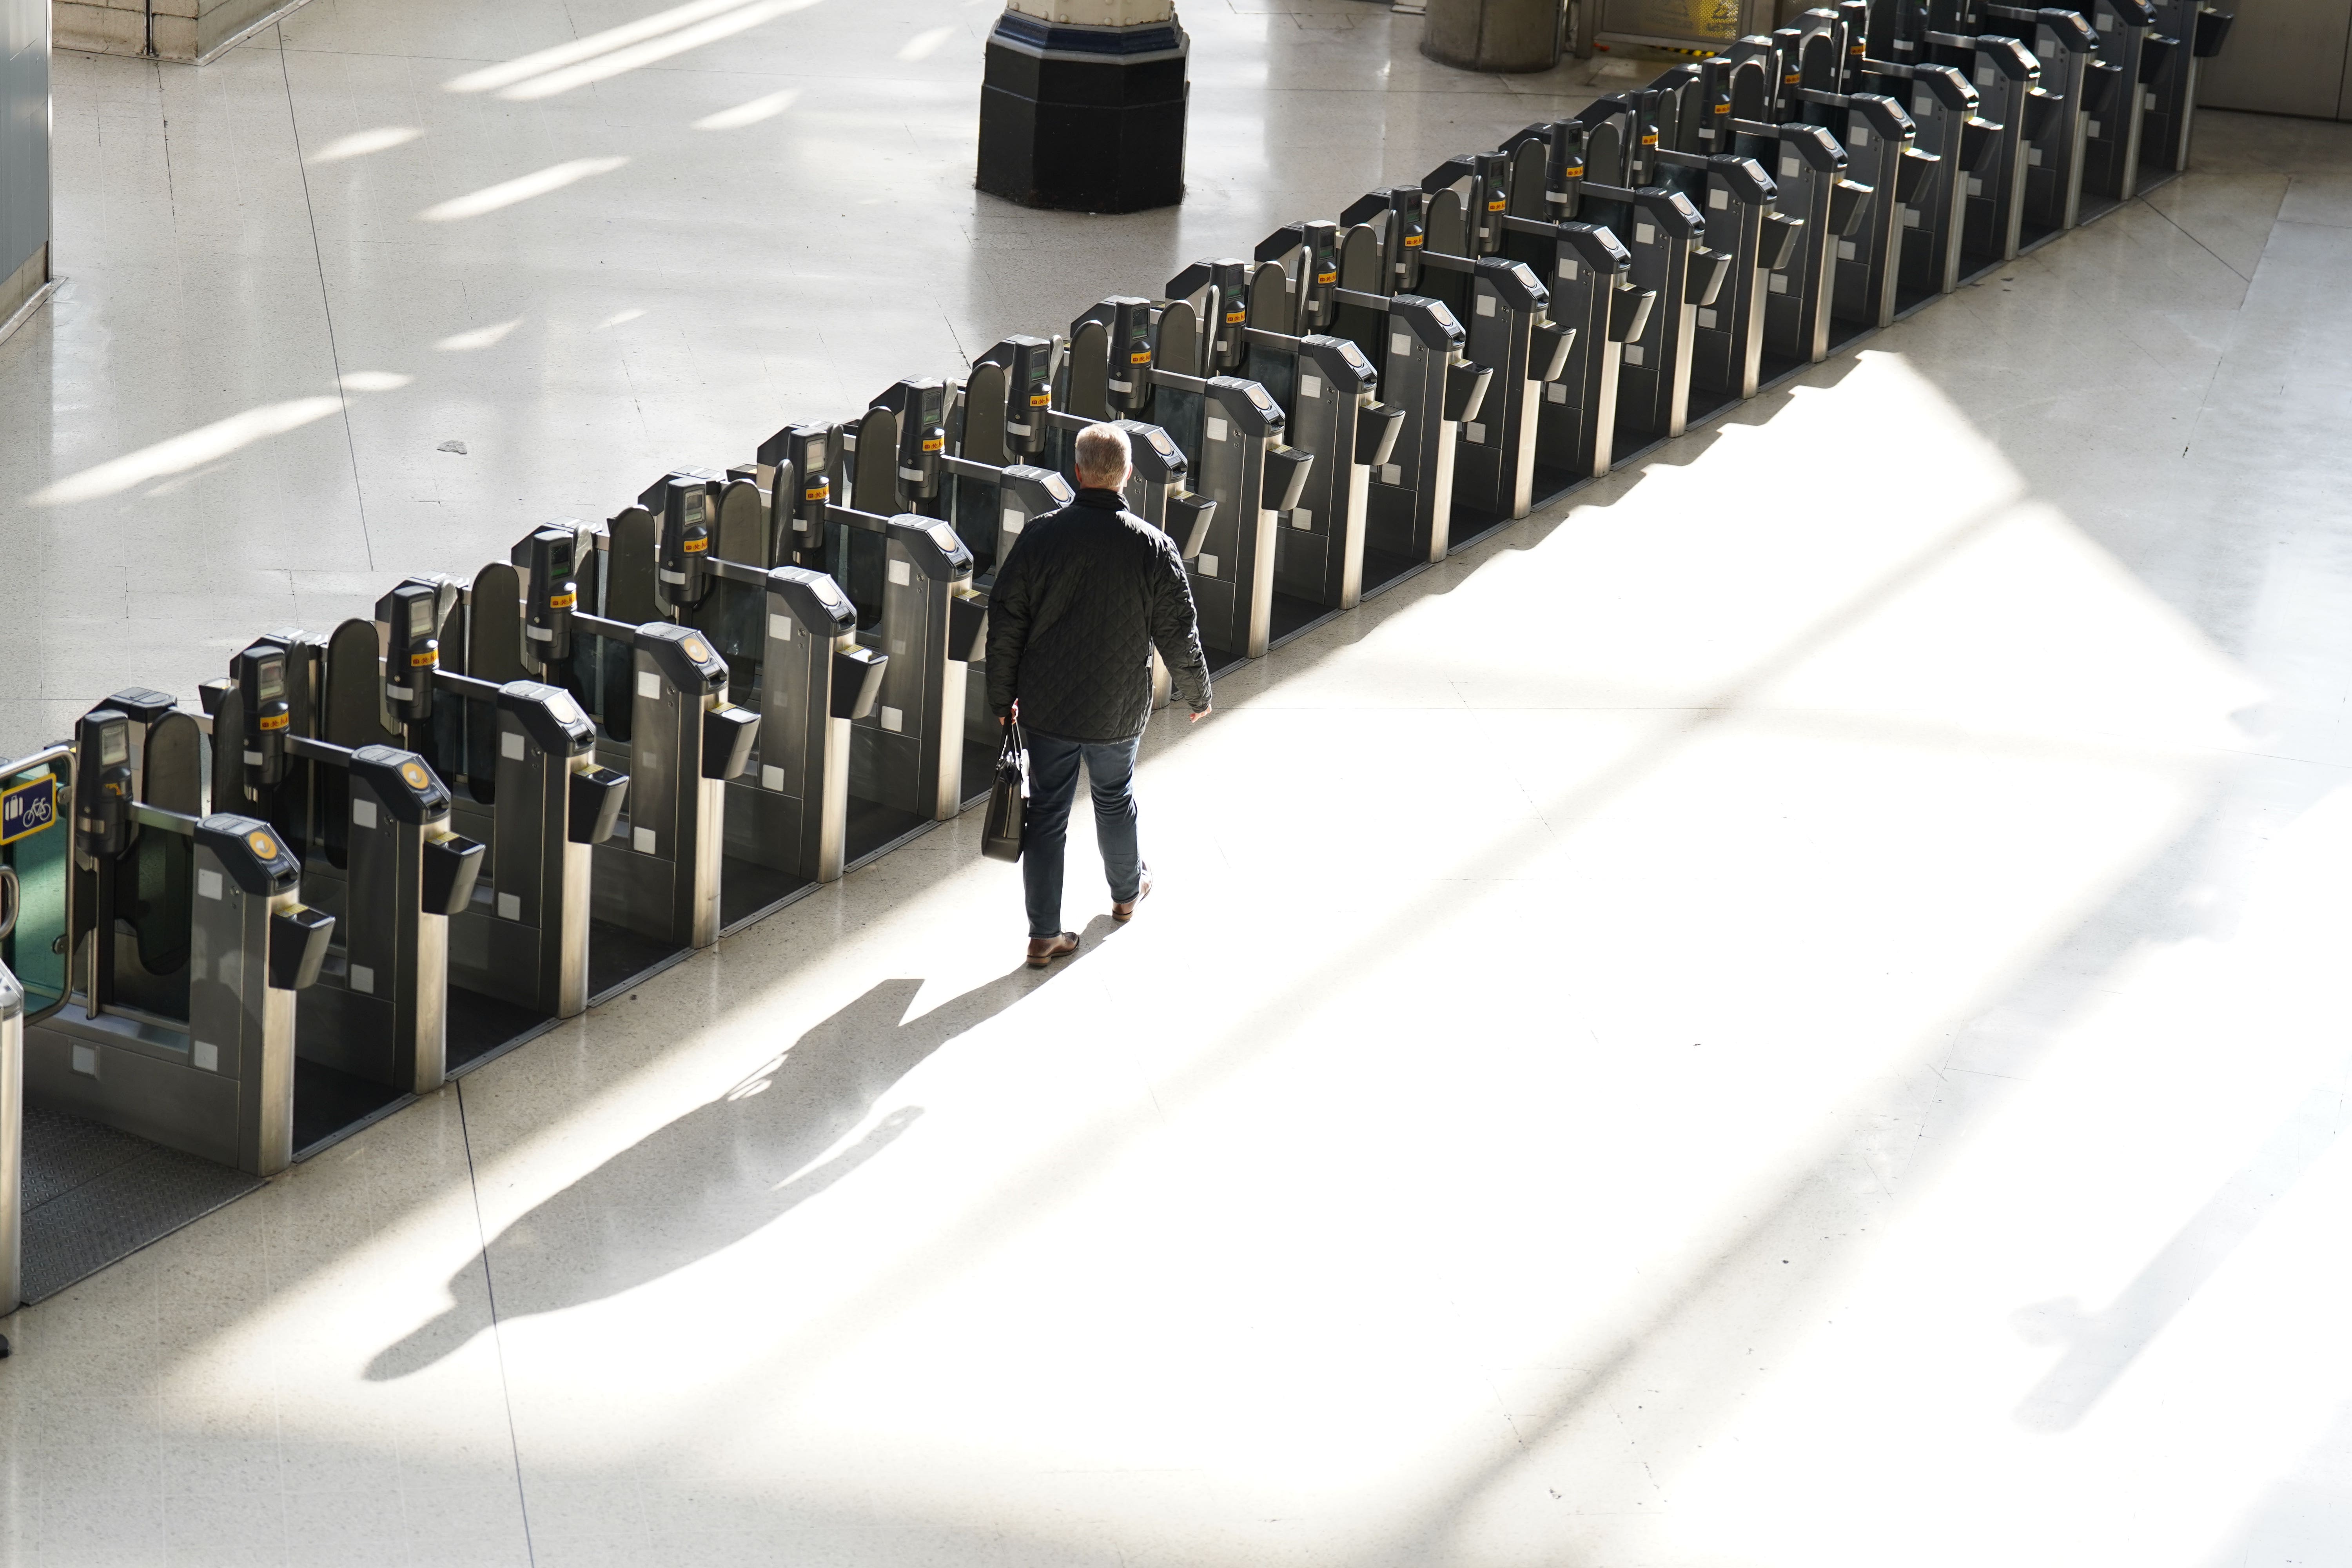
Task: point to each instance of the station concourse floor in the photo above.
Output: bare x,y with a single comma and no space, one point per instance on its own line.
1789,1010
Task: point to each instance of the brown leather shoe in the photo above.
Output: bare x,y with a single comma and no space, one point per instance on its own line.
1043,949
1126,911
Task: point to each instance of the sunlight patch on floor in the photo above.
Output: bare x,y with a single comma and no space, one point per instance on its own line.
1694,829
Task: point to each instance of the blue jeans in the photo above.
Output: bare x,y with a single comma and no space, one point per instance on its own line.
1053,783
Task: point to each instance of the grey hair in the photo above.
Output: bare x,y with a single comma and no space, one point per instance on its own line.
1103,456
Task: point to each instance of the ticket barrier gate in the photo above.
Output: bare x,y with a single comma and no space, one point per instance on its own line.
1008,453
372,822
1158,482
667,737
1078,393
30,830
1862,211
1588,273
679,738
907,756
954,444
516,756
1760,224
12,1122
1130,360
914,607
1038,434
2063,42
793,470
977,480
1666,238
1818,212
1034,373
2130,54
1761,227
2196,31
1329,393
790,812
788,635
162,951
1943,109
1777,234
2007,77
1435,241
897,464
1416,345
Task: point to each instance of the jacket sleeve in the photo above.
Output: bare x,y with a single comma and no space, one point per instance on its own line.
1176,630
1008,629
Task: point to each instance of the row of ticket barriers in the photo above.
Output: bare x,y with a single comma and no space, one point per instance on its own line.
373,858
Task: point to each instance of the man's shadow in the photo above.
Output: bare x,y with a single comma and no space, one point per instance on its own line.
722,1171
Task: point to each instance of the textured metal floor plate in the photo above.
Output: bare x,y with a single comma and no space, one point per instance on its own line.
93,1195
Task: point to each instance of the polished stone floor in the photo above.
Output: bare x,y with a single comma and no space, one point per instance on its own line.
1790,1012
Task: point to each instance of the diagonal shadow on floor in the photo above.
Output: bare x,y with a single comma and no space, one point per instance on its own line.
722,1171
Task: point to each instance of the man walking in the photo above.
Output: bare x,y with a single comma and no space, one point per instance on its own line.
1083,597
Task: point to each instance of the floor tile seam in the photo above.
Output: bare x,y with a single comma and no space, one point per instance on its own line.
2208,249
498,1338
326,297
2237,318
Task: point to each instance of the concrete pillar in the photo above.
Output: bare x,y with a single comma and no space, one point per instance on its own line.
24,157
1493,34
189,30
1082,105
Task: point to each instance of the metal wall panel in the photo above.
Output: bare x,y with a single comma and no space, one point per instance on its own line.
24,132
2344,94
2283,57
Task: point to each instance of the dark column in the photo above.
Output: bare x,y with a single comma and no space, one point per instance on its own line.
1087,118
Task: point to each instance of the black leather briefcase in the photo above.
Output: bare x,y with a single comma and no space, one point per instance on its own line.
1008,801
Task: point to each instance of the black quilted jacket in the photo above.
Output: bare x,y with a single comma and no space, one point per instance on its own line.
1080,601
